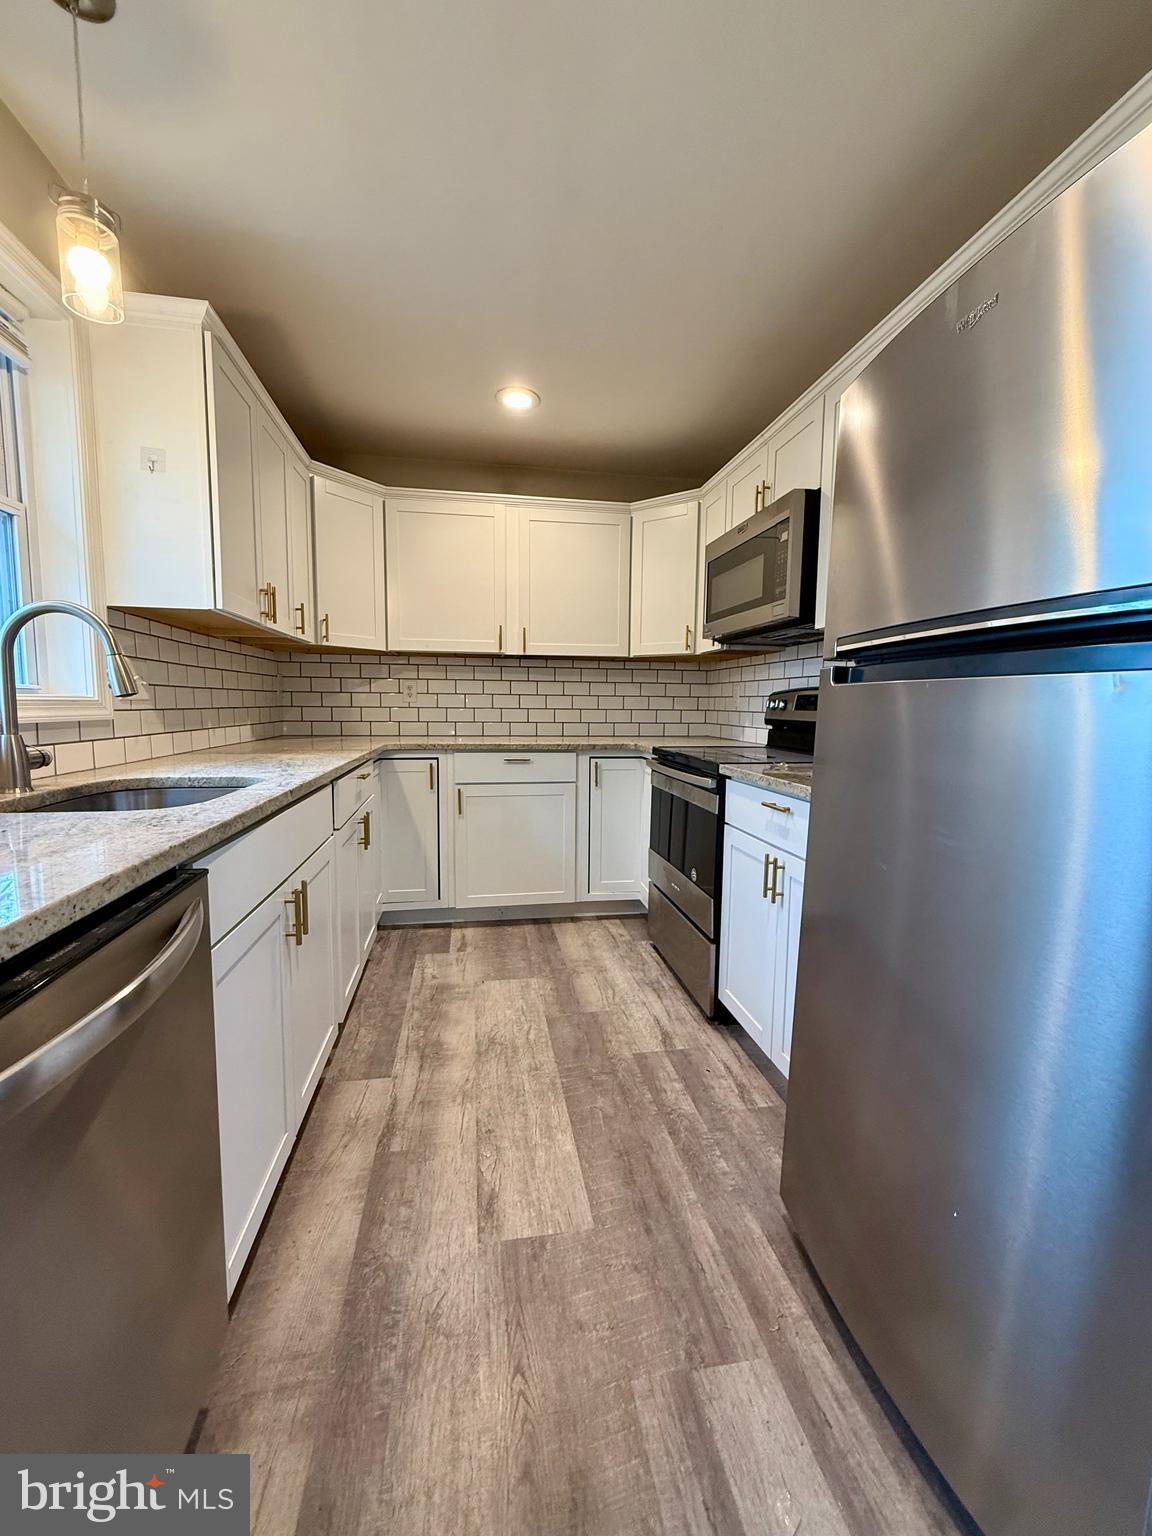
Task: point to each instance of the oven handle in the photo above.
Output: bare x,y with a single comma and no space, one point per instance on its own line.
686,778
684,787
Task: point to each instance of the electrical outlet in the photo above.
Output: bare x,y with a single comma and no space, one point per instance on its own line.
153,460
408,690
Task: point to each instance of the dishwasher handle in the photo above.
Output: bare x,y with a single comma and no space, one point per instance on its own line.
60,1058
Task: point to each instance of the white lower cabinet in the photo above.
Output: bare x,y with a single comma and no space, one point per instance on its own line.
617,844
763,890
515,843
256,1120
409,834
309,1008
357,890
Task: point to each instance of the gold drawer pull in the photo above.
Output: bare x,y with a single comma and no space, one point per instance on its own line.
296,931
324,628
773,805
767,865
301,628
459,801
432,777
366,823
304,906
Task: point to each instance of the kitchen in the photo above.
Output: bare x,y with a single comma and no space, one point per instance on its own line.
561,999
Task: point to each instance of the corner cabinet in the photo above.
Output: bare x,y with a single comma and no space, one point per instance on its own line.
349,520
199,475
664,550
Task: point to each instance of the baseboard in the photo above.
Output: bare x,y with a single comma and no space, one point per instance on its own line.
431,916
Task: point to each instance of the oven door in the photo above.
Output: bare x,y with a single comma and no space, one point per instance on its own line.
753,574
683,858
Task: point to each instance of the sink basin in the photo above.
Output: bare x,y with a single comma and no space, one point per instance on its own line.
151,797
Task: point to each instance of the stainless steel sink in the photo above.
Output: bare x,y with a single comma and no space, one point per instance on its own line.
151,797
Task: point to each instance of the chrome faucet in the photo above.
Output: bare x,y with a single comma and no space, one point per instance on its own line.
16,760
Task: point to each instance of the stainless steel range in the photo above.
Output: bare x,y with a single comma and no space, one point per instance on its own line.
684,858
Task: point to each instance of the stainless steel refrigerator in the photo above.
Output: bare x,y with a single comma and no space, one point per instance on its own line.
968,1153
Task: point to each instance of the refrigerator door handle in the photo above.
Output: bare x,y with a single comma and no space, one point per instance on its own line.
60,1058
1040,622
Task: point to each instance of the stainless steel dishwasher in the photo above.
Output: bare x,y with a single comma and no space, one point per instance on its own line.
112,1298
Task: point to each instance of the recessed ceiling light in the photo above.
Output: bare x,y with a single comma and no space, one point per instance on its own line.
514,397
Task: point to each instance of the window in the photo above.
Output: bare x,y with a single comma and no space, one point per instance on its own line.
15,584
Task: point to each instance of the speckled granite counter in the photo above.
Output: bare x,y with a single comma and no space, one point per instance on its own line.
59,867
796,782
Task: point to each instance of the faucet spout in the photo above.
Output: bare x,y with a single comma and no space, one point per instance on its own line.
16,761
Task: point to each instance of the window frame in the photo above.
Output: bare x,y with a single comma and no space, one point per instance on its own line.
56,449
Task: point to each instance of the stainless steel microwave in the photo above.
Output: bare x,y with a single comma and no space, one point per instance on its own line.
760,578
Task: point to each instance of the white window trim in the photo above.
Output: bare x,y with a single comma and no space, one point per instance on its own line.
65,548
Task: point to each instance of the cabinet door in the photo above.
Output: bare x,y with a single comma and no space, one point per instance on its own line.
310,1012
748,935
572,590
272,474
790,900
256,1120
368,876
794,454
347,924
664,551
747,487
232,413
409,831
349,566
447,575
301,595
645,830
515,844
713,522
617,846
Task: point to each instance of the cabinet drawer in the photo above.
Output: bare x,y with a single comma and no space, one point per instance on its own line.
252,865
350,793
765,813
515,767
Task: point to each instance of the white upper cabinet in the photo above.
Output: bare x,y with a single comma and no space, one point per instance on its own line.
275,590
349,565
197,472
572,581
232,425
300,576
664,541
447,574
748,486
794,453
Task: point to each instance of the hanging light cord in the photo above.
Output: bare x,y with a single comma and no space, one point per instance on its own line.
74,7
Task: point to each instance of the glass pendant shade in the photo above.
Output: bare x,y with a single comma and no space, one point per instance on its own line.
87,238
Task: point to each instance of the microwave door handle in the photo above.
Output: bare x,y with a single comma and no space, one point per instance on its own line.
60,1058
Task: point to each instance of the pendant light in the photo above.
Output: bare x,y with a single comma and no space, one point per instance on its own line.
87,231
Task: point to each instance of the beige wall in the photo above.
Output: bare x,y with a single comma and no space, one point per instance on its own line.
26,178
505,479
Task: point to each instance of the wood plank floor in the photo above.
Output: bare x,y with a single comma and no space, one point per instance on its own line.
528,1272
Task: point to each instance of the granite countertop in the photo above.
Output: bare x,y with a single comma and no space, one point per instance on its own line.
794,781
59,867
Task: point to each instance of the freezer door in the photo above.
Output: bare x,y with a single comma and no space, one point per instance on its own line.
997,452
968,1153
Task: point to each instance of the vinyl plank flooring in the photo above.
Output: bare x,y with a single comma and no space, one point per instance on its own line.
529,1274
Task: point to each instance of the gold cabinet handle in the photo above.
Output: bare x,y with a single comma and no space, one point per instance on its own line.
500,638
324,627
366,823
432,777
774,805
265,595
759,493
301,627
765,492
767,865
296,931
687,637
304,906
777,893
363,775
459,801
524,638
596,775
272,591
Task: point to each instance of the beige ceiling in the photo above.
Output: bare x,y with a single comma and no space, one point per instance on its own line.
667,216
